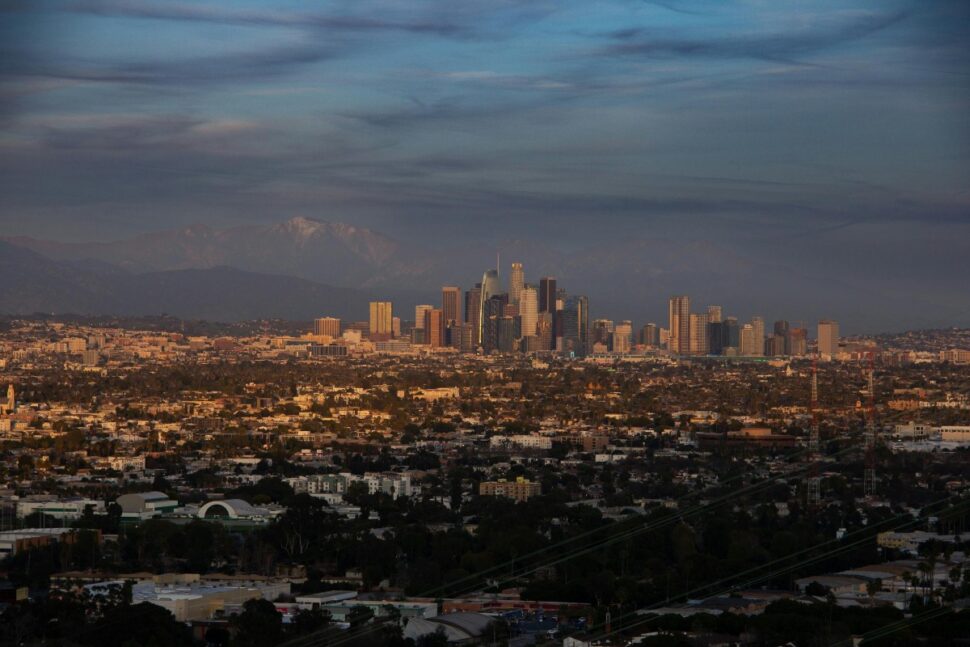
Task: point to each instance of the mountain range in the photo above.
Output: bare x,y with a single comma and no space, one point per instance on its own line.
302,268
33,283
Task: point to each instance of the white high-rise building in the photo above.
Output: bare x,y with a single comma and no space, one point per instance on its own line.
698,334
714,314
758,323
747,340
516,283
679,317
419,313
528,309
623,337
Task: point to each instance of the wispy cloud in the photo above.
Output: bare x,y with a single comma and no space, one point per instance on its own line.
775,46
267,18
224,68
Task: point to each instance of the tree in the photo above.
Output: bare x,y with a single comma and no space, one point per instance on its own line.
259,625
218,636
303,526
143,624
436,639
308,621
873,587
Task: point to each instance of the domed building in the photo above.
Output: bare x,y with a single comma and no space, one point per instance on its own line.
232,509
458,628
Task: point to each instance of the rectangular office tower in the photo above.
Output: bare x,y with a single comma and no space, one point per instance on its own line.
451,304
575,325
698,334
528,310
329,326
828,338
650,335
516,283
473,310
679,317
547,294
419,315
434,328
381,324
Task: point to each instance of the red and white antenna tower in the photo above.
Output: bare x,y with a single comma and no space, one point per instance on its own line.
871,435
813,487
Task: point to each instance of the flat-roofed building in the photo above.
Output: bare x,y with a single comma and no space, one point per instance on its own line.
329,326
145,505
380,326
520,489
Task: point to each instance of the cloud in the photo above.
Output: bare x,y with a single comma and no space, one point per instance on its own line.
674,6
477,119
226,68
268,18
122,135
777,46
439,111
496,79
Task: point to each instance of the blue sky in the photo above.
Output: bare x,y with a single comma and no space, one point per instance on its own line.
825,129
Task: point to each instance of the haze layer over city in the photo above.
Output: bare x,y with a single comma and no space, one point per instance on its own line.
484,322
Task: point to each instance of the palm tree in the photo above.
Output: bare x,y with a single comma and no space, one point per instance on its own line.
873,587
926,571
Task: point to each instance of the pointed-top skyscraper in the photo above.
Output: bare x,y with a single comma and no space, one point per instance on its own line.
490,288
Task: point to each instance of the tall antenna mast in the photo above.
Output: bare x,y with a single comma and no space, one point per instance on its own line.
813,490
869,480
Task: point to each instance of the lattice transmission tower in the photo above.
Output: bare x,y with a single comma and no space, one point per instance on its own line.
871,433
813,486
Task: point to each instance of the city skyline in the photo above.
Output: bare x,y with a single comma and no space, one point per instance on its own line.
493,321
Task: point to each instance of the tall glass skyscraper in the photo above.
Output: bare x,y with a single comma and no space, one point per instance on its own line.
490,288
575,325
547,294
730,334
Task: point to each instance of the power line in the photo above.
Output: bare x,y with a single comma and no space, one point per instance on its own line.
768,576
606,541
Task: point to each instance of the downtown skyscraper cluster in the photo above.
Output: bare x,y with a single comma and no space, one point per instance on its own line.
526,317
542,317
709,333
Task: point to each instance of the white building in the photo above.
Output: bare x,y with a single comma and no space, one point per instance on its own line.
529,310
530,441
955,433
68,509
145,505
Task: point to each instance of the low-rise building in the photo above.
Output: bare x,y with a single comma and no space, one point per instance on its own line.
139,506
520,489
67,509
911,541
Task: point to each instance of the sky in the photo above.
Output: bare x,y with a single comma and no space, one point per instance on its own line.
833,135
